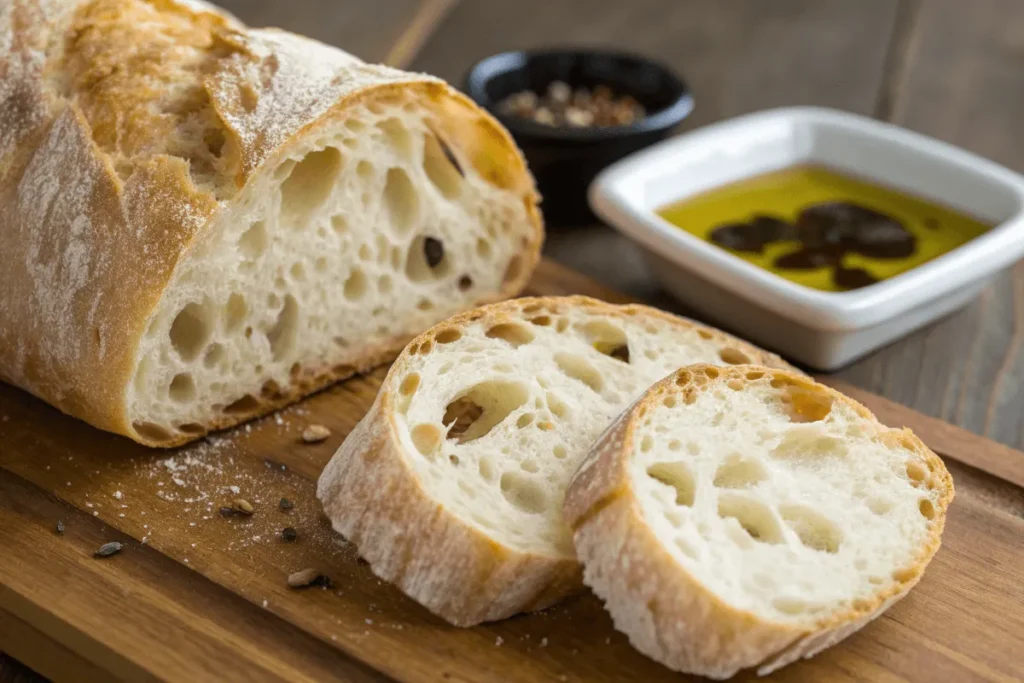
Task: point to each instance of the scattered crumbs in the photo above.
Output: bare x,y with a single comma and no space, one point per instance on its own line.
145,526
143,513
193,545
265,603
190,523
334,637
248,429
256,539
95,513
498,641
67,483
233,489
118,495
108,549
278,419
60,526
185,560
145,540
121,515
47,468
543,642
89,505
315,433
370,622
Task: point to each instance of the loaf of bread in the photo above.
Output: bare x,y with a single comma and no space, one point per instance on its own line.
452,485
746,517
202,222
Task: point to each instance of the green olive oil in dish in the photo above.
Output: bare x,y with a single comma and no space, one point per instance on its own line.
821,228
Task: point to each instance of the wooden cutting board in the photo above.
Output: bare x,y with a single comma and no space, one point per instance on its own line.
197,596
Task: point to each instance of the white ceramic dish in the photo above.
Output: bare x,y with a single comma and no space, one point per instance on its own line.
822,329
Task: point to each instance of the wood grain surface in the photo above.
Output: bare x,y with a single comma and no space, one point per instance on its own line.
196,595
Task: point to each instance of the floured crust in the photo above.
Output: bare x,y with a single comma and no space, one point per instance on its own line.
375,499
666,612
103,201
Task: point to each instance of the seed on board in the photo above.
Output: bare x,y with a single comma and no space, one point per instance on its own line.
308,577
108,549
285,504
60,526
229,512
315,433
289,534
243,506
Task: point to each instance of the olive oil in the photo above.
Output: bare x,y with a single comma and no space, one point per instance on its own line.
823,229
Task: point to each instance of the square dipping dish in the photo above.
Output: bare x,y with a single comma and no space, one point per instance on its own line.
822,329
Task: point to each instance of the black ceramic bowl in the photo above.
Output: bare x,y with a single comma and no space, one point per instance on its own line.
565,159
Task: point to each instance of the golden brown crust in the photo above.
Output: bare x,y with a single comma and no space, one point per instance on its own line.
667,613
454,569
105,188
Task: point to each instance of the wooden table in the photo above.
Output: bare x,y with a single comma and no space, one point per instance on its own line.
949,69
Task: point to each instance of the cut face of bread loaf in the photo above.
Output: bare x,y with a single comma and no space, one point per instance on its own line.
745,516
452,485
231,218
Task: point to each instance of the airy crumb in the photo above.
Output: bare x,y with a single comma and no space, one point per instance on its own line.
315,433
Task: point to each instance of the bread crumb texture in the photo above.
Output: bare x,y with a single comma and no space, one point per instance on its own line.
787,507
209,220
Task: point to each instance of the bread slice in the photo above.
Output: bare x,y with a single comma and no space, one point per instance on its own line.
747,516
452,484
202,222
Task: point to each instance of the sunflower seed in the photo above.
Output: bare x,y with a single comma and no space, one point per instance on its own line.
289,534
108,549
308,577
285,504
315,433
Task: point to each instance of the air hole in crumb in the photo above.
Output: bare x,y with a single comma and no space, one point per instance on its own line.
704,334
927,508
670,401
790,605
364,169
738,472
253,242
214,355
513,333
523,493
453,459
298,272
677,475
151,432
524,420
711,373
607,339
675,445
477,411
483,248
685,547
735,384
246,404
815,530
339,224
916,472
308,186
646,443
441,167
182,388
559,452
191,428
579,369
355,286
409,384
556,406
401,201
425,304
752,516
191,330
806,405
426,438
271,390
465,283
448,335
486,468
384,284
734,356
530,466
426,259
283,334
754,374
541,321
320,265
561,325
397,135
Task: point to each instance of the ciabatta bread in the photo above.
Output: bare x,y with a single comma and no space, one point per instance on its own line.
743,516
451,486
202,222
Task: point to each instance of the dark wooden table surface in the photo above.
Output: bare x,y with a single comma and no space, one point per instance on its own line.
946,68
